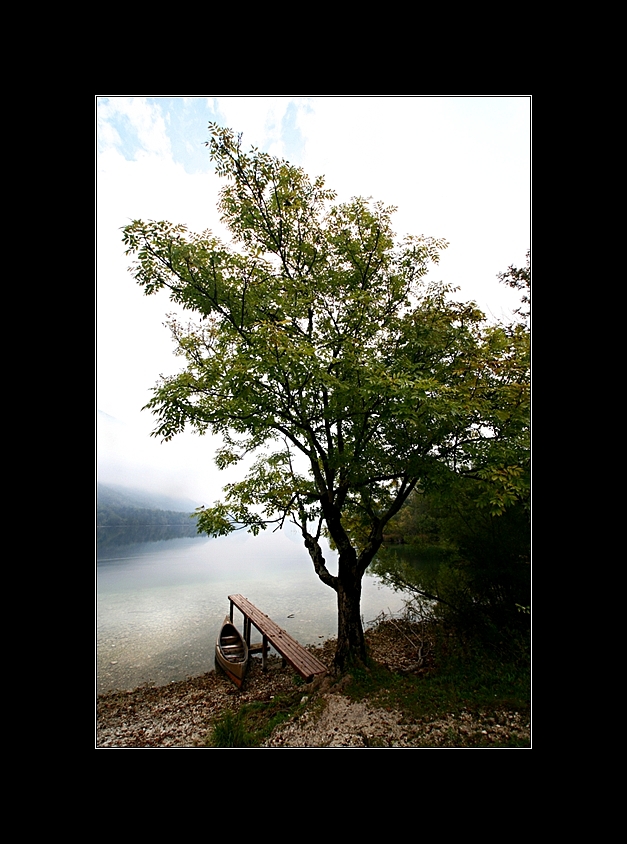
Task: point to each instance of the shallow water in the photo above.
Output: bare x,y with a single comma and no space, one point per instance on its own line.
161,604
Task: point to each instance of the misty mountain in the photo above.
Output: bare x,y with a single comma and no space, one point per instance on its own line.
114,495
128,516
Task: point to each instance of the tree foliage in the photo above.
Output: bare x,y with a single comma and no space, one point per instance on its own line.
468,541
519,278
320,348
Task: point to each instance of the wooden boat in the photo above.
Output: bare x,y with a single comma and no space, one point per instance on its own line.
232,652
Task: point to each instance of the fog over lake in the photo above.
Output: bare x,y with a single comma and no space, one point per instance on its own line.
160,604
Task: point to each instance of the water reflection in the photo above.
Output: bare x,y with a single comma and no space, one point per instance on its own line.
110,538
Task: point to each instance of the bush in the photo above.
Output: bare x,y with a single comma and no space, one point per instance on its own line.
472,567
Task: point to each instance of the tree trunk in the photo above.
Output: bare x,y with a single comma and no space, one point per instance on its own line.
351,645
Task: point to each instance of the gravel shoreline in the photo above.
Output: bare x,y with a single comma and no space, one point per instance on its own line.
181,714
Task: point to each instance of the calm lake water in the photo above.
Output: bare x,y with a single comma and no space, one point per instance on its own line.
160,604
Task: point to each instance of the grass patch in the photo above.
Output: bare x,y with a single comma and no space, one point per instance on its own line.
229,731
252,724
465,675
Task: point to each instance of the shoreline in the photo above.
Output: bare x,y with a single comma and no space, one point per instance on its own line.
181,714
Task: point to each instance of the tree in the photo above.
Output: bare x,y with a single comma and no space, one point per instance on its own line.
520,279
320,349
477,523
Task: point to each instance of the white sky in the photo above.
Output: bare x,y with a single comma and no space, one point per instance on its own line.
456,167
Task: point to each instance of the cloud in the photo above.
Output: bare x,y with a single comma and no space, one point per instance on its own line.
258,118
143,123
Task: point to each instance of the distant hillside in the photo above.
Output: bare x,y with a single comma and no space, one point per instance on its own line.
111,515
127,516
112,495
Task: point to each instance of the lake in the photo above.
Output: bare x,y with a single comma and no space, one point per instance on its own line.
161,604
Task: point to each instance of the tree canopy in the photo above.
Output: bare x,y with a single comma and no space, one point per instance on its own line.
320,348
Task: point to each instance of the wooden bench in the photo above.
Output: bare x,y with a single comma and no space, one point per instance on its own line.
298,657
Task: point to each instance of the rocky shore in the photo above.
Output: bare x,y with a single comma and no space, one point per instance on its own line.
180,715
